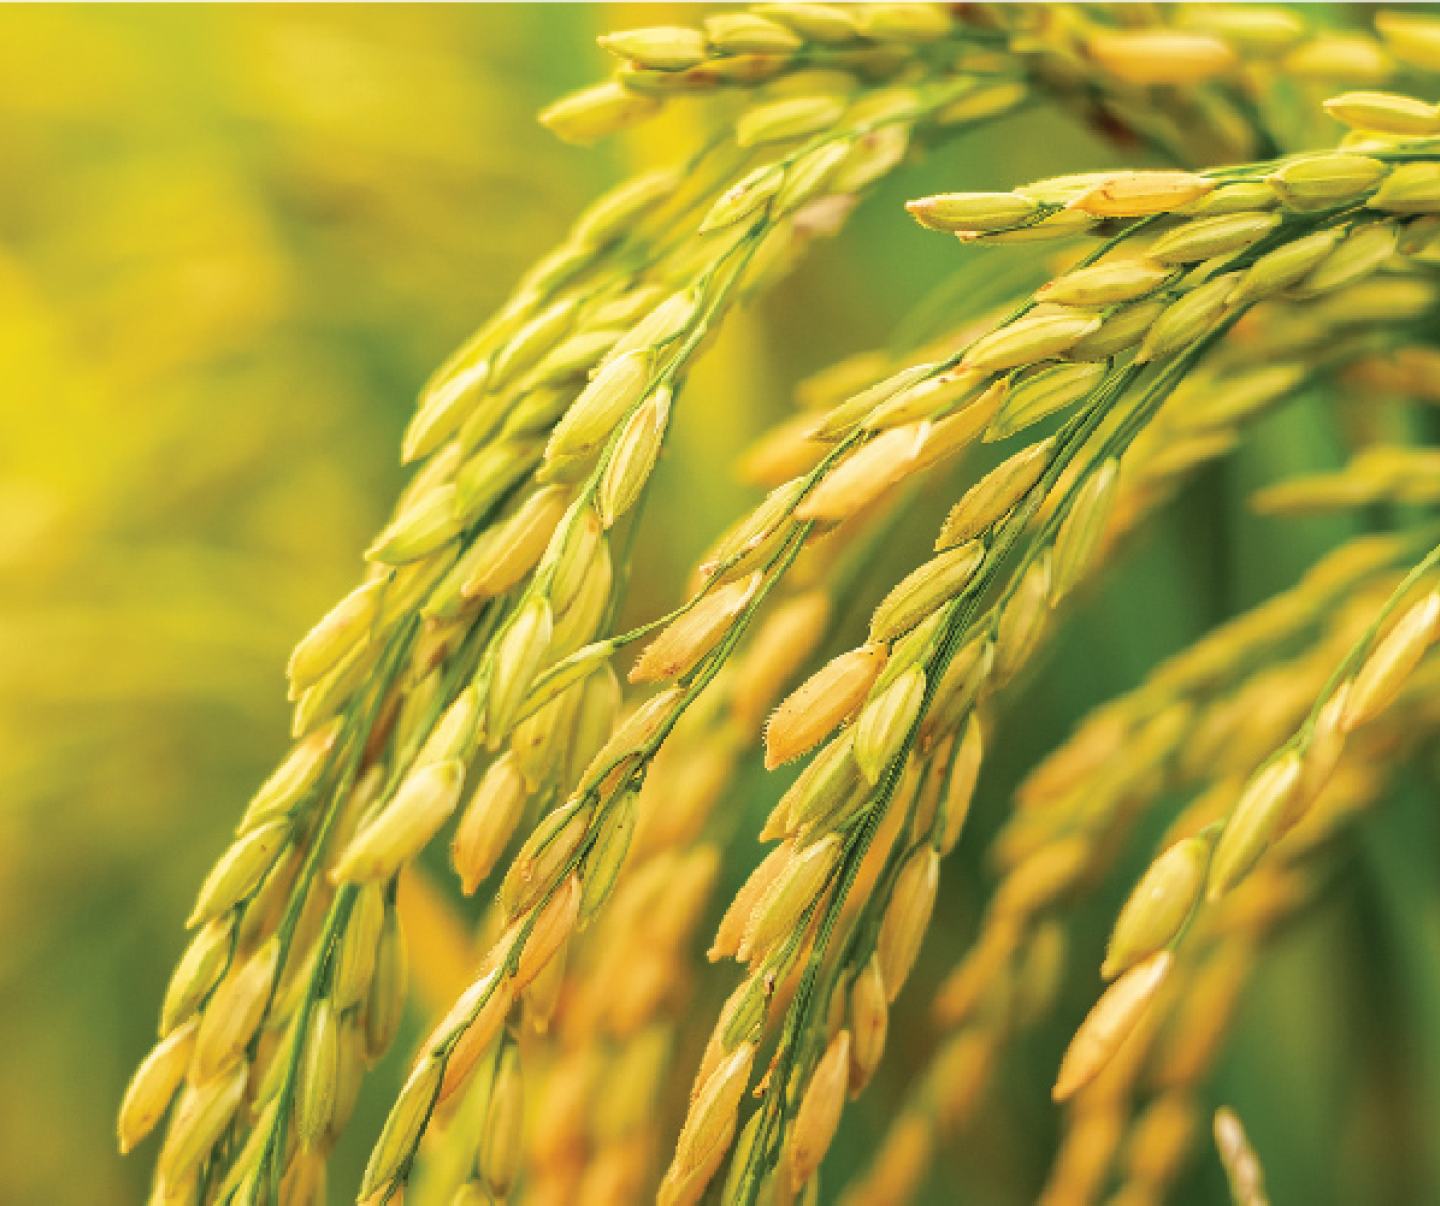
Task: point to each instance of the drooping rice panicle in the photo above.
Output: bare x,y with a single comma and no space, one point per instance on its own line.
965,1061
832,792
469,533
1135,1124
471,674
1278,793
1114,68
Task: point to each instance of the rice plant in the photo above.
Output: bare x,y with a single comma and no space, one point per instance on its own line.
482,686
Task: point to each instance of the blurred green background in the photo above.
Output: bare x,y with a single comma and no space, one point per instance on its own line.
233,242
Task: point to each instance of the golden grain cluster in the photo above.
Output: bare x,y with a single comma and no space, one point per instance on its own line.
476,688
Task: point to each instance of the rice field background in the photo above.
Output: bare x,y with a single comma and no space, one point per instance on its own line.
234,242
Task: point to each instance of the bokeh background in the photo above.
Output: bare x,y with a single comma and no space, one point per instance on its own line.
233,242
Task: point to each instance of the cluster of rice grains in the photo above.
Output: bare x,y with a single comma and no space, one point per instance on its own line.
473,674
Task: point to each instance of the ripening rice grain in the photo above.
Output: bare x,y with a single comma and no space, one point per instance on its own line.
1242,1165
633,459
342,627
959,785
356,954
818,1116
819,705
536,337
1321,753
1137,194
1121,329
1186,319
1391,662
195,974
1279,269
499,1152
756,536
708,1128
1083,529
743,198
685,641
154,1083
865,474
511,550
1042,392
488,822
906,918
826,796
995,494
553,925
588,116
924,590
203,1113
796,887
886,721
468,1030
572,556
636,733
1023,619
293,778
607,854
519,653
239,870
1253,823
789,117
234,1012
421,805
1109,1023
403,1127
660,47
741,32
1202,238
618,386
1036,337
1320,181
1411,188
932,397
319,1074
1147,57
548,850
869,1016
659,326
1158,906
1105,283
956,432
1384,113
974,211
732,924
427,524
